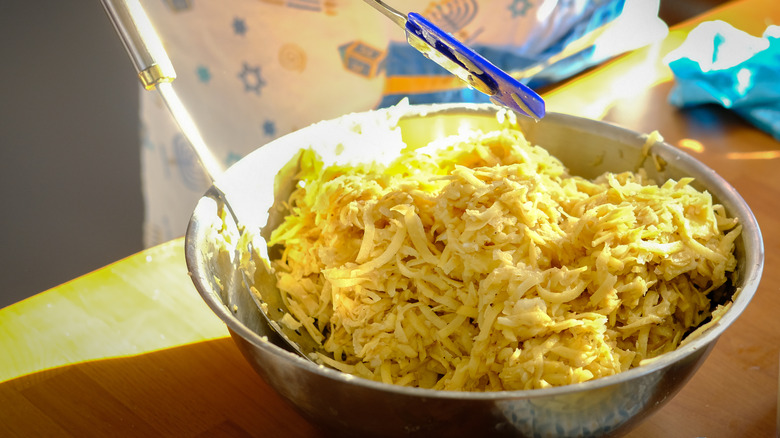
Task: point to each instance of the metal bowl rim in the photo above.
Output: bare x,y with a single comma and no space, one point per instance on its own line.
750,230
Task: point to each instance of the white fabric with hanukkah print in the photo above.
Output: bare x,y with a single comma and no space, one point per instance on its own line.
250,71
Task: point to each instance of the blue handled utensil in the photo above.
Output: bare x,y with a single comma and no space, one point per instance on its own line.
465,63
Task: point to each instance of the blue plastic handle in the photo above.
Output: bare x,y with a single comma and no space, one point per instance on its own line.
472,67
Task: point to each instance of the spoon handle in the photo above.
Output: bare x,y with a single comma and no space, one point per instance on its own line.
465,63
472,67
141,42
391,13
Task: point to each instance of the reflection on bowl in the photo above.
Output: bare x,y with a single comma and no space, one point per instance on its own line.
354,406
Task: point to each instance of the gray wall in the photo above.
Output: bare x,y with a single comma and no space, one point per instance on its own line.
69,155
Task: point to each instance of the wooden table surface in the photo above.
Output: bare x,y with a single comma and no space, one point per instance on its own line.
132,350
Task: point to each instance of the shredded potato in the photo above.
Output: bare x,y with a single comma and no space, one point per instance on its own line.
485,266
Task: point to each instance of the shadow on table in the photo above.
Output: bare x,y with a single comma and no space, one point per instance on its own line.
203,389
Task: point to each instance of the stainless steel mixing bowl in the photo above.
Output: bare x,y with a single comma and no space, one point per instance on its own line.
347,405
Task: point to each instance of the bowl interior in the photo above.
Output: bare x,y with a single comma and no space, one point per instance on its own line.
588,148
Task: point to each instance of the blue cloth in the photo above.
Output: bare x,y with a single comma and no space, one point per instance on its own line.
720,64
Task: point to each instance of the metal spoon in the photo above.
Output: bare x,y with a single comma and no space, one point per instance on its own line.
464,62
156,72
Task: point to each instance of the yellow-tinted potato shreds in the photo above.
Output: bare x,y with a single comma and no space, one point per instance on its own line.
489,267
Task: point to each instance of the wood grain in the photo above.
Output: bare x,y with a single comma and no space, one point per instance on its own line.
200,389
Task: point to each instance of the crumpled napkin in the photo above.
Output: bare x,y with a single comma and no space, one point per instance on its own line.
718,63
